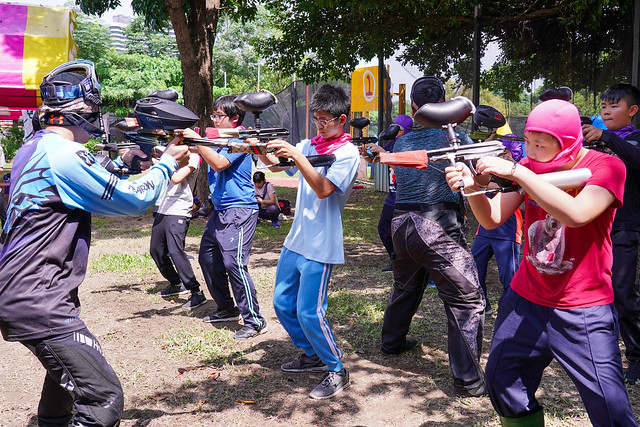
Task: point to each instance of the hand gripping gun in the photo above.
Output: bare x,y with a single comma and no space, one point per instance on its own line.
445,115
156,119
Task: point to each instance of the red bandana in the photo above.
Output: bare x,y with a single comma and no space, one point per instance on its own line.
324,146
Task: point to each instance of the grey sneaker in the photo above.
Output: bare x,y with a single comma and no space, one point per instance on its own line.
305,363
195,300
172,290
249,331
223,316
332,384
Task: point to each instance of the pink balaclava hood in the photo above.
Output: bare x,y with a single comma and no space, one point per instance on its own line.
560,119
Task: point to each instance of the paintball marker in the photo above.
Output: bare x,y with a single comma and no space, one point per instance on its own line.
157,118
491,119
574,178
446,115
361,123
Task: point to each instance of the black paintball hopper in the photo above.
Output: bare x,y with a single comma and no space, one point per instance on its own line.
439,114
157,113
488,117
390,133
359,122
168,94
564,93
255,102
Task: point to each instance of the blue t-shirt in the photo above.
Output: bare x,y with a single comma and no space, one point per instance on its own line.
316,232
233,186
427,185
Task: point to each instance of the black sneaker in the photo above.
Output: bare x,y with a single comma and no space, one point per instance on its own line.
477,391
172,290
249,331
305,363
332,384
487,308
195,300
223,316
632,373
409,344
388,269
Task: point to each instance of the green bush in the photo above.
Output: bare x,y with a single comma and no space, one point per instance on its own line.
11,141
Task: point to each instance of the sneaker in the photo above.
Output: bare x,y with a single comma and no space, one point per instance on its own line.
195,300
332,384
249,331
276,224
387,269
172,290
632,373
409,344
223,316
487,308
305,363
477,391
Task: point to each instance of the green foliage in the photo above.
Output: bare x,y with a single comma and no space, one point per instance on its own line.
11,140
141,39
123,263
561,42
124,78
91,145
93,39
234,53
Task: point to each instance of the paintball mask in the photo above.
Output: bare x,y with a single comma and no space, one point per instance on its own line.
71,97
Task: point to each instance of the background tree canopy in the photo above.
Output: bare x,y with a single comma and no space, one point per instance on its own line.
585,44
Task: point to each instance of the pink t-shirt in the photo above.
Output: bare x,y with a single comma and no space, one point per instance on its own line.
566,267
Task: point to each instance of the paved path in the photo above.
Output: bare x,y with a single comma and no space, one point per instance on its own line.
284,182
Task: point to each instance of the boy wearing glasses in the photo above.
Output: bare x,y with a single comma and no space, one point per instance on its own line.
228,235
314,243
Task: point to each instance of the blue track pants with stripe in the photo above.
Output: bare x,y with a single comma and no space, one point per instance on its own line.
223,257
300,302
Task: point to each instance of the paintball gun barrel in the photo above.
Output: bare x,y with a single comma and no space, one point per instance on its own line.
157,118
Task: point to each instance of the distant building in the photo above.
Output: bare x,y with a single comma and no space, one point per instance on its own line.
116,28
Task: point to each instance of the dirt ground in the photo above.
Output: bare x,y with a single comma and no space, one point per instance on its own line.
243,385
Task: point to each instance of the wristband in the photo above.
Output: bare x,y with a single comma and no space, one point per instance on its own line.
513,169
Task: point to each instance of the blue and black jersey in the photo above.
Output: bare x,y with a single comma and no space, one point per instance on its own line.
55,186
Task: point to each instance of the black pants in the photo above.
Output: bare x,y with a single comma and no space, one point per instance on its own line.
3,207
432,245
78,376
271,212
384,228
167,250
625,289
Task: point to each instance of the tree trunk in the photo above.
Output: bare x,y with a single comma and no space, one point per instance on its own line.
195,36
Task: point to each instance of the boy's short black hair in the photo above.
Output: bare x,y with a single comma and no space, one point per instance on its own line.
230,109
619,91
332,99
426,90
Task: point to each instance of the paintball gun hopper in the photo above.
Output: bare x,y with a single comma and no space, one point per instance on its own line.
158,113
255,102
488,117
437,115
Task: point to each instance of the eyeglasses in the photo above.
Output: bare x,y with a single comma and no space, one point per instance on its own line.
322,122
218,116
